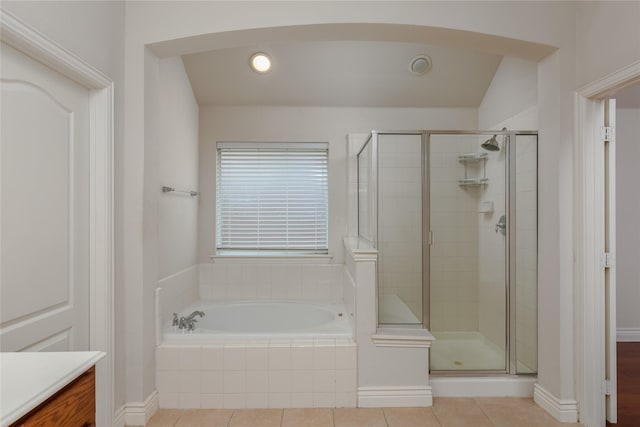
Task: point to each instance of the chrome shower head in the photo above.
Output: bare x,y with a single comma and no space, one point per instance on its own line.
491,144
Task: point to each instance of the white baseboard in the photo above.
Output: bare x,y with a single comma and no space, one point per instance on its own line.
628,334
139,413
394,397
511,386
118,417
563,410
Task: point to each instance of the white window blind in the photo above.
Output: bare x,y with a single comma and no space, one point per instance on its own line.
272,198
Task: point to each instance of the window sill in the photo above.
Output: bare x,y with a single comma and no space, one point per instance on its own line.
271,258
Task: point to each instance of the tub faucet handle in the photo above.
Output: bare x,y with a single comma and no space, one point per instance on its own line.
176,320
191,325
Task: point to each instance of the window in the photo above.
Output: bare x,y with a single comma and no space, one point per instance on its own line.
272,198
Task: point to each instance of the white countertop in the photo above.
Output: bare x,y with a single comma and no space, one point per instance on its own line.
28,379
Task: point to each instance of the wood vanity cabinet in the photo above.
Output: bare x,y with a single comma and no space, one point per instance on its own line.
72,406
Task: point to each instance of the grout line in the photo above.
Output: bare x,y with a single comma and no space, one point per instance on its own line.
435,414
384,415
485,414
333,416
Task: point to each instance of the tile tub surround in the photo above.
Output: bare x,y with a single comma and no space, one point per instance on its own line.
225,279
269,374
447,412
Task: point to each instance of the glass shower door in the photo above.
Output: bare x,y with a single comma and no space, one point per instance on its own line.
399,232
467,217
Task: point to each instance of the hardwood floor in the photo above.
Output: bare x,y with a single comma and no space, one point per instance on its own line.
628,384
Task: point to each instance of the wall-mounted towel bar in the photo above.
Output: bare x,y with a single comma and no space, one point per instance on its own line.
192,193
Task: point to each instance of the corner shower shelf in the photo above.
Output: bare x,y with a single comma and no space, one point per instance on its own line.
472,165
472,157
473,182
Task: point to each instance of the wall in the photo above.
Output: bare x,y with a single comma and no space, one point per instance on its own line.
511,101
602,48
305,124
170,222
627,224
178,146
95,32
302,281
176,165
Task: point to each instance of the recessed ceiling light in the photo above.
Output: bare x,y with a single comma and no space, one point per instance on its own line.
420,65
260,62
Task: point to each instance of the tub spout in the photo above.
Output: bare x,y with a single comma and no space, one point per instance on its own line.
194,314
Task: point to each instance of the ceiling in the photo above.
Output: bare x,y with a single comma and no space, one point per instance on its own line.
342,74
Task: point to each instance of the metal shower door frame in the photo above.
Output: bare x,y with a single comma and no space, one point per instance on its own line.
510,241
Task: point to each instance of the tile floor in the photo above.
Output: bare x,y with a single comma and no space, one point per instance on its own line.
446,412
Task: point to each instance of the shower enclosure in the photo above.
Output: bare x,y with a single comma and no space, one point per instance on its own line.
454,218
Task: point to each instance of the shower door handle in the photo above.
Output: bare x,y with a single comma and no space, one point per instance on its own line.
501,226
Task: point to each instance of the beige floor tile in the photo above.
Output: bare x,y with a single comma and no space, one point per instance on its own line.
507,412
359,417
165,418
256,418
316,417
410,417
205,418
460,412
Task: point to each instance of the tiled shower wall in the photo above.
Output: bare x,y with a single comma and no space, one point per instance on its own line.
492,253
526,254
454,223
400,219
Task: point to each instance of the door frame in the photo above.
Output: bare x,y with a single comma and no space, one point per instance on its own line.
29,41
589,231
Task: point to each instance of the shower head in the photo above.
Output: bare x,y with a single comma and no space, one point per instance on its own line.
491,144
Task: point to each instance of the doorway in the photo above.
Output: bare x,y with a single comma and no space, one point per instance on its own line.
595,267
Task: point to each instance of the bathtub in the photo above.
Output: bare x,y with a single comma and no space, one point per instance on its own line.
262,319
259,354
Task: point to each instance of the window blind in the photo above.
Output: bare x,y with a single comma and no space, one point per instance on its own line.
272,199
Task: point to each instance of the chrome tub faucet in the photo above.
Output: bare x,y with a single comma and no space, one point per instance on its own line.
186,323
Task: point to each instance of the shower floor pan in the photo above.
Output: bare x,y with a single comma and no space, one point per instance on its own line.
465,351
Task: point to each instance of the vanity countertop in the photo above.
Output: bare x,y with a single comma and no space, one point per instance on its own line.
28,379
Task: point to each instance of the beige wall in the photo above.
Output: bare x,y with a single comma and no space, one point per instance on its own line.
607,38
177,167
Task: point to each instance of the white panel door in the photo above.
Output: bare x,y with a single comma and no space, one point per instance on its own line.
44,208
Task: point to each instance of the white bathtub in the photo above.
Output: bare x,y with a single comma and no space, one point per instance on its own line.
259,354
264,319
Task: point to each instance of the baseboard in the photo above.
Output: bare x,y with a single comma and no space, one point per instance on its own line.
501,386
118,417
563,410
628,335
138,413
375,397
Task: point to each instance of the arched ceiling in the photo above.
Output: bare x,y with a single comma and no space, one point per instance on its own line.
363,65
